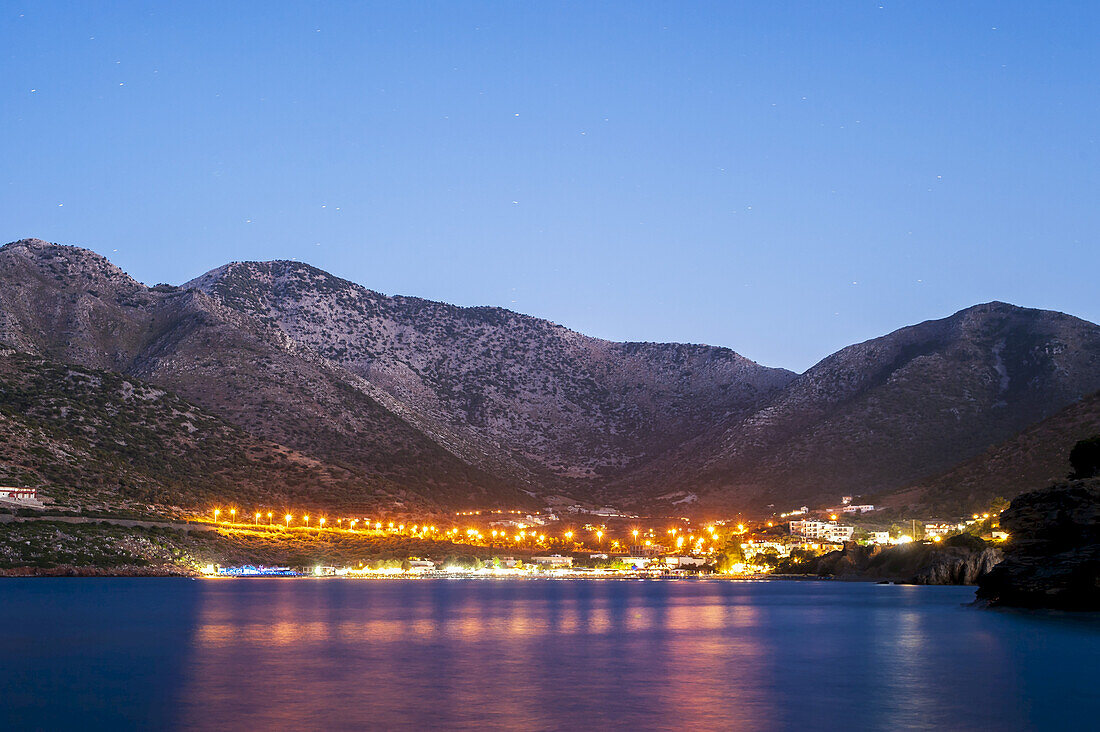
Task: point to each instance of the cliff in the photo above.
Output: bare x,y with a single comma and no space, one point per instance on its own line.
1053,560
960,560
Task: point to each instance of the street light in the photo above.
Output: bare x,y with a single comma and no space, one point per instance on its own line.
233,514
288,517
306,520
322,522
269,518
216,512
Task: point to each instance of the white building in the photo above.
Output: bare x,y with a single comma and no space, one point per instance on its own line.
809,529
21,496
835,533
839,534
685,561
554,560
931,530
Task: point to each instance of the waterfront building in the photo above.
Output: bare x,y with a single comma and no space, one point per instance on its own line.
553,560
686,561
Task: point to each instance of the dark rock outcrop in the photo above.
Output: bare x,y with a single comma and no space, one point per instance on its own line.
1053,560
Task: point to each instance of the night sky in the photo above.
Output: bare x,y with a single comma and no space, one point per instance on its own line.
780,178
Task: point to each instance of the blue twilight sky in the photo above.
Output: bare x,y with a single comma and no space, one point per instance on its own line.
783,178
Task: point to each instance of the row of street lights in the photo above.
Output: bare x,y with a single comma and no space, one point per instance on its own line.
352,523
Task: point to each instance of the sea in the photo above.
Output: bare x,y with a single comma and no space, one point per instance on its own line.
464,654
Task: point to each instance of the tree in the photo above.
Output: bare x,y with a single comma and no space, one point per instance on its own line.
730,554
1085,458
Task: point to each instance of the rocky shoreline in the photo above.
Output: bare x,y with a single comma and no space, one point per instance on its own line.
959,560
1053,560
90,571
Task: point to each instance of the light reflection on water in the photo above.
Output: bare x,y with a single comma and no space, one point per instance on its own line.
539,655
279,653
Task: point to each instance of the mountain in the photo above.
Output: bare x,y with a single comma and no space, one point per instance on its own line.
511,392
887,413
449,406
421,403
71,305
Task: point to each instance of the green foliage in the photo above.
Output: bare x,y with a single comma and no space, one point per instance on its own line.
965,541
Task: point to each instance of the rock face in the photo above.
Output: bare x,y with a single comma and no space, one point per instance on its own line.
1053,560
960,560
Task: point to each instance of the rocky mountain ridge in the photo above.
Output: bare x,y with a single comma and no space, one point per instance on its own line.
561,404
473,405
885,414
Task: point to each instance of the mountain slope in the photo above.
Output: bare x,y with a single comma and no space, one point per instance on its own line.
425,403
547,401
95,437
884,414
73,306
1034,458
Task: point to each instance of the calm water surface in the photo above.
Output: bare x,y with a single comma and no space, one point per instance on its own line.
453,654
